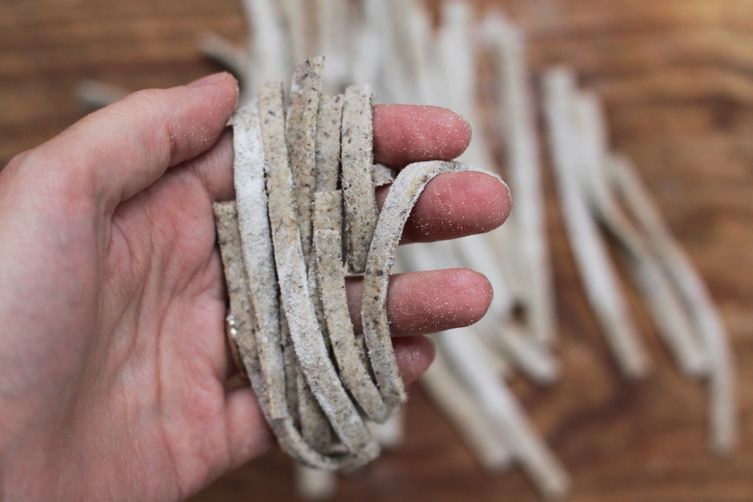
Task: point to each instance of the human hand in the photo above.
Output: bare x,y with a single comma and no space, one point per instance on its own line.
113,360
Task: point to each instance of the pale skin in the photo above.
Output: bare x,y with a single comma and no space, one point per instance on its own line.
113,360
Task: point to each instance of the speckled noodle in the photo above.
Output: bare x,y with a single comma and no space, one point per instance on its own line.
329,268
314,287
328,142
403,195
300,133
253,222
308,341
382,175
230,248
263,356
315,427
241,310
357,182
291,369
309,416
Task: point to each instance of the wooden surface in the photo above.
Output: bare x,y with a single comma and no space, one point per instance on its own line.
677,76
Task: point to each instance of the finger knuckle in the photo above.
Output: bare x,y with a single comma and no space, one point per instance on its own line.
145,97
151,107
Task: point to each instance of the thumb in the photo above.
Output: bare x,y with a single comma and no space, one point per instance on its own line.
120,150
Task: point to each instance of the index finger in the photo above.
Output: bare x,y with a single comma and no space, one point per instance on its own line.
402,134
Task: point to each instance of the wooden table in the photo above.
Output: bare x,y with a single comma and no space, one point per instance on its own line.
677,77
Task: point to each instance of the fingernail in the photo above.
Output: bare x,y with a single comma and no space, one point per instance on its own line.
209,79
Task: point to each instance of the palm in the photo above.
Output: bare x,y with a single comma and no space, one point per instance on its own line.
172,320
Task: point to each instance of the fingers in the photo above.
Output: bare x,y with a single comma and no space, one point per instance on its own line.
247,432
414,356
402,134
452,205
455,205
118,151
426,302
421,303
411,133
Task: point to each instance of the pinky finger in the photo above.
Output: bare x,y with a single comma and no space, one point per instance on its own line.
247,432
414,356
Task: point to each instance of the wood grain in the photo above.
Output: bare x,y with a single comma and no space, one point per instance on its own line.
677,77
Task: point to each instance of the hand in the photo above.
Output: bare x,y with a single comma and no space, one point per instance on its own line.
113,359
